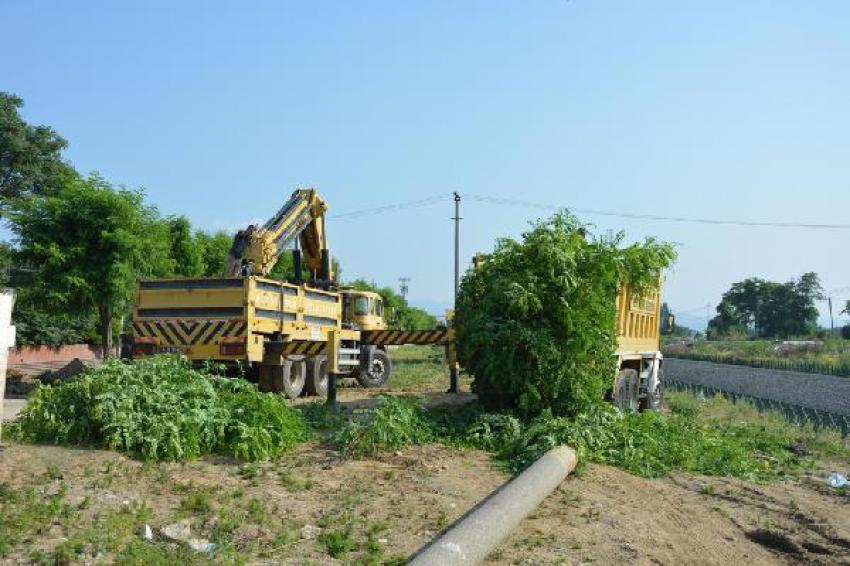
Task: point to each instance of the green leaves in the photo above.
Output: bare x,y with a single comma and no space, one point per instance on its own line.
395,423
768,308
162,409
535,323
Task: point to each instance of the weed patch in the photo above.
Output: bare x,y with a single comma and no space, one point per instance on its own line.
396,423
161,409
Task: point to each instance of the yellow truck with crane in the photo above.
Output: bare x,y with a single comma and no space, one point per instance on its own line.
289,334
286,334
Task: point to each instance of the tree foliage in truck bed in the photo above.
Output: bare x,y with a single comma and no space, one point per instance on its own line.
535,323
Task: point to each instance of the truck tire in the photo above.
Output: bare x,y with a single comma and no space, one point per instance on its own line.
625,392
654,399
265,378
317,382
378,372
293,377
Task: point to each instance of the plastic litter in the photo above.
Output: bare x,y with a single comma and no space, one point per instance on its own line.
836,480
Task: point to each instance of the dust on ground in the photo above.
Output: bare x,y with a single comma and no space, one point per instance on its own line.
373,511
607,516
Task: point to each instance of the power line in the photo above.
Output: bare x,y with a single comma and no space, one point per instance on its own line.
592,211
638,216
397,206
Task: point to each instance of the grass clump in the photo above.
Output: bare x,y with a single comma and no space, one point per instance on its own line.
160,408
395,423
712,437
652,445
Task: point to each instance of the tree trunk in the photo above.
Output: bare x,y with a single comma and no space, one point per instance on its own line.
106,330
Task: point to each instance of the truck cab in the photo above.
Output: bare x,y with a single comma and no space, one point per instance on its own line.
363,310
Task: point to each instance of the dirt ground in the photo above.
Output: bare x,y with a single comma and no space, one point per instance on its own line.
601,516
404,497
607,516
312,507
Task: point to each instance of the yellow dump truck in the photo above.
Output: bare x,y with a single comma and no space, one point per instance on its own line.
286,334
639,380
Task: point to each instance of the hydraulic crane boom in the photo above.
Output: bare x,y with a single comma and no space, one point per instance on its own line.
255,251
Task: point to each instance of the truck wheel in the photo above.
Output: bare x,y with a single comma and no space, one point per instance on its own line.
654,399
265,381
317,383
378,372
294,376
626,391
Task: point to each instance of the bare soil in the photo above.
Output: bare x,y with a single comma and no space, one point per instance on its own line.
607,516
603,515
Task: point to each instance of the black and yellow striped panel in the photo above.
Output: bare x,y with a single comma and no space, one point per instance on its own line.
399,337
304,348
189,332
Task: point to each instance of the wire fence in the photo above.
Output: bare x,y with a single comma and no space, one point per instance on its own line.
841,369
794,413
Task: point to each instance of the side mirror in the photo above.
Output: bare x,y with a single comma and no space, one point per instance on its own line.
671,324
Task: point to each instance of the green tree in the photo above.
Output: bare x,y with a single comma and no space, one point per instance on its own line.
186,253
213,248
30,156
769,309
6,263
87,242
536,322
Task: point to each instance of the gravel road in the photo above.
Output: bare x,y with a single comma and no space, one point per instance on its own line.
822,392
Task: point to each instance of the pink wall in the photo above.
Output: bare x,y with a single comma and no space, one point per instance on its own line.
41,354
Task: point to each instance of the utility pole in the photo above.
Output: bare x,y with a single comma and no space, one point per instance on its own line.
457,243
831,322
403,288
454,369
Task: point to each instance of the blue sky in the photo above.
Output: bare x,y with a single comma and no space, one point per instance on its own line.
218,110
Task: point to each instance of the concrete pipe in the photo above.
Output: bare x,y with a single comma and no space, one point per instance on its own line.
472,537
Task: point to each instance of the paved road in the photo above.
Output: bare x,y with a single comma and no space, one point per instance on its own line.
822,392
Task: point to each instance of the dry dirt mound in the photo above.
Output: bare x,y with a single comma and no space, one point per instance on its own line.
607,516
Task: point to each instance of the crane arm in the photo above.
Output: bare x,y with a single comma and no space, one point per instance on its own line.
302,217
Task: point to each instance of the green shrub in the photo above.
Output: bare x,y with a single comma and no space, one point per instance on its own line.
395,423
535,323
493,431
161,409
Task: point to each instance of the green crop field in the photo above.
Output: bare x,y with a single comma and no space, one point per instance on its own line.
822,356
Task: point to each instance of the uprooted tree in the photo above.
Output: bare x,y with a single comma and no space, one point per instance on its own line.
535,322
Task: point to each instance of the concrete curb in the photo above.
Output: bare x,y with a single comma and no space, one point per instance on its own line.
472,537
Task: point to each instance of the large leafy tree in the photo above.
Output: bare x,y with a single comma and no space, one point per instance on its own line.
86,243
768,309
30,156
536,322
188,257
6,263
213,248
